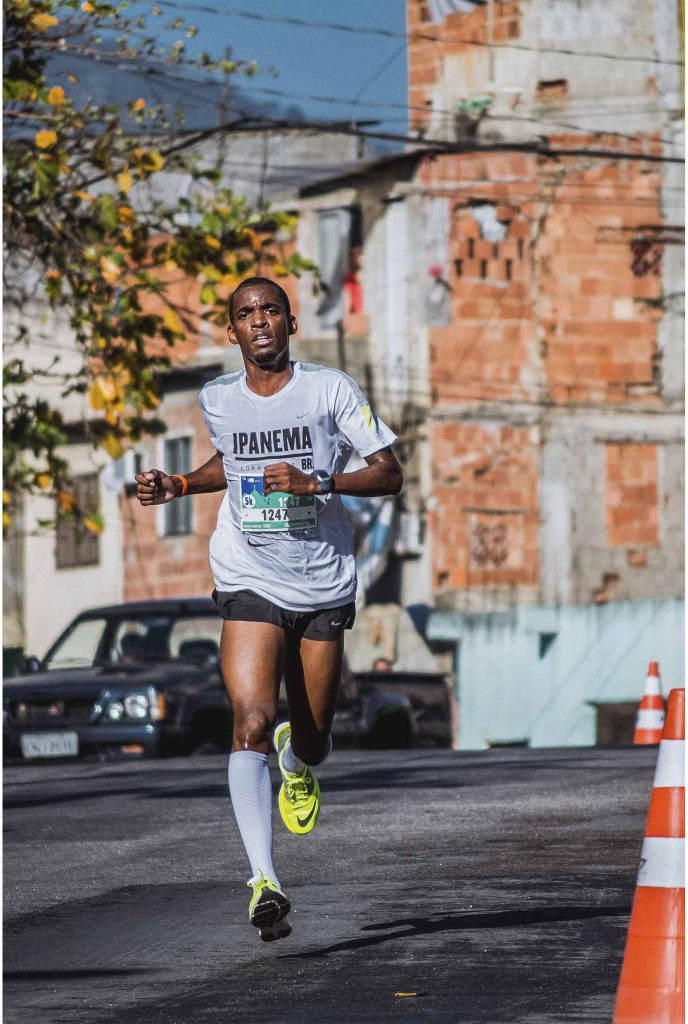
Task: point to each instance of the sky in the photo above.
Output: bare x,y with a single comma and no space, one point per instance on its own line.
310,61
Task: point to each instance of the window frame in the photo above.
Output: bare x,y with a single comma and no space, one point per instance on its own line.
162,511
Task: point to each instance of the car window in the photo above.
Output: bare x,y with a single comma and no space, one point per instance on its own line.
196,638
78,648
144,638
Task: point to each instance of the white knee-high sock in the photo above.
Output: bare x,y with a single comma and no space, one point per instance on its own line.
250,790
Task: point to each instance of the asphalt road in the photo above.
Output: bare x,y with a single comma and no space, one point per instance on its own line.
495,886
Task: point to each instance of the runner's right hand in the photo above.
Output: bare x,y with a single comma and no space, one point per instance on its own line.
155,487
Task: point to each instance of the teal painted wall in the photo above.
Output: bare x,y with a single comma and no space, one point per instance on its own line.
507,692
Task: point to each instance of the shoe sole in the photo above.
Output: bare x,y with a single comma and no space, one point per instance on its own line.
281,930
270,909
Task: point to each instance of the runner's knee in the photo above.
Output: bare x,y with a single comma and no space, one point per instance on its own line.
252,727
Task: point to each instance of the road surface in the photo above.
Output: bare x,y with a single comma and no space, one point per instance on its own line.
494,887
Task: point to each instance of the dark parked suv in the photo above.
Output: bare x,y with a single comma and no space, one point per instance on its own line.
145,678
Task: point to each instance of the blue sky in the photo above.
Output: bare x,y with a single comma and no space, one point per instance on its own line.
311,61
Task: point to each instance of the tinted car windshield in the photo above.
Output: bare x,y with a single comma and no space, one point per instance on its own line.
137,638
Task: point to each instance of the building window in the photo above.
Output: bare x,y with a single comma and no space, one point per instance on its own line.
75,545
339,257
177,459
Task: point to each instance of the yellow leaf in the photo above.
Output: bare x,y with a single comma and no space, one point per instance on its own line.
6,520
125,180
138,104
148,160
65,500
6,497
46,139
172,321
54,274
87,8
280,269
152,400
42,22
112,445
211,242
170,264
111,271
126,214
231,280
56,96
128,236
44,480
93,526
85,197
72,79
253,237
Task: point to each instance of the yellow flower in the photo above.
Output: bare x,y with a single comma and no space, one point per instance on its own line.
42,22
138,104
56,96
46,139
125,180
148,160
44,480
211,242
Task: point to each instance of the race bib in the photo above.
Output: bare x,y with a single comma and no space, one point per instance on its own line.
277,511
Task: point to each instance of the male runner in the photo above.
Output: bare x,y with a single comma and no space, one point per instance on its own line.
282,560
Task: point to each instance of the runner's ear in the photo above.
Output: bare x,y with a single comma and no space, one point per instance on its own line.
293,325
231,334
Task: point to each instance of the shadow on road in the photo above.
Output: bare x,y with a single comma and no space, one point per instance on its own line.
81,972
414,926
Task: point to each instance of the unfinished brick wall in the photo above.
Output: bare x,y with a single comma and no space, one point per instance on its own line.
631,496
485,523
559,309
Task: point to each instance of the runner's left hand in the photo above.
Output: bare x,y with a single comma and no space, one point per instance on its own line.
287,478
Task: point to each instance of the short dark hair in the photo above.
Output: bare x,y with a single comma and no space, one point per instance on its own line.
249,282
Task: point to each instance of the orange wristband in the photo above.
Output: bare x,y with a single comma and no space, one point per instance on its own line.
185,483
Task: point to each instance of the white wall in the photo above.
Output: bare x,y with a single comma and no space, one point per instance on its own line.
507,692
52,596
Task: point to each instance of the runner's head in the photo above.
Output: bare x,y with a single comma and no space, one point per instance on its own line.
261,321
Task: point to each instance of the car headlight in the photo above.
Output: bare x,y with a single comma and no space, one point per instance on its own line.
115,711
136,705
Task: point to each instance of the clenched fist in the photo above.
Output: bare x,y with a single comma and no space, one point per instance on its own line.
155,487
287,478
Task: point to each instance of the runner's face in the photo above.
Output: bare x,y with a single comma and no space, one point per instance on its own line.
261,326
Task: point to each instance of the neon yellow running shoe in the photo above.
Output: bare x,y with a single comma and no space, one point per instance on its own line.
268,908
299,796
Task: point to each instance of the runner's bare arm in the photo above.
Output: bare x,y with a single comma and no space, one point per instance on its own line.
382,475
155,487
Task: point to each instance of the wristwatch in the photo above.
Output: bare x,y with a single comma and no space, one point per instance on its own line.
324,480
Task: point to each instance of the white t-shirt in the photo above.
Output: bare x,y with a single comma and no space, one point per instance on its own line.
296,551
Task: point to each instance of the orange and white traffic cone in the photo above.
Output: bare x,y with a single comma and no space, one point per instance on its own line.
648,724
652,984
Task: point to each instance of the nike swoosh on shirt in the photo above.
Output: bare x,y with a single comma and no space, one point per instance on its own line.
304,821
300,415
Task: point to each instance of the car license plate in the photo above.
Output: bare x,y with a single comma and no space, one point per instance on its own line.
49,744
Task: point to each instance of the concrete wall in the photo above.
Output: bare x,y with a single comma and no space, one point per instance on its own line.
508,692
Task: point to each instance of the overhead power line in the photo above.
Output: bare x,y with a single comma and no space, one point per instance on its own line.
441,37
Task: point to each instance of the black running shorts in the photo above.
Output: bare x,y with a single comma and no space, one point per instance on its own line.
324,624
